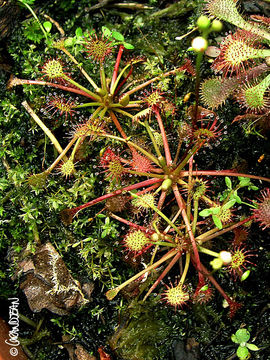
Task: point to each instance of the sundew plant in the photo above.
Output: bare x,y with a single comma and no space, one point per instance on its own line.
151,182
243,63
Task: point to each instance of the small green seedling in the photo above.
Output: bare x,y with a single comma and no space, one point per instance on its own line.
241,337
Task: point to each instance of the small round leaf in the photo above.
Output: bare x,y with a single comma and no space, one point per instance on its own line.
242,335
242,352
117,36
128,46
47,26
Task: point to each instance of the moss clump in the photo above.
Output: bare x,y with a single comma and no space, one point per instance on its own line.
145,335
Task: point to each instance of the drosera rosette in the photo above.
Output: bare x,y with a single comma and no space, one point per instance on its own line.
109,98
98,48
135,241
239,261
182,234
59,105
176,296
262,211
145,202
173,230
203,293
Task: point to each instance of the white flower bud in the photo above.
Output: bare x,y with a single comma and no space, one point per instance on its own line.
226,257
199,44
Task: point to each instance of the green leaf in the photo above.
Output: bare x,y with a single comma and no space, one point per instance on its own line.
228,182
69,41
252,347
242,335
128,46
244,181
106,32
245,275
47,26
215,210
253,187
117,36
103,234
234,338
229,204
217,221
205,212
236,197
79,32
204,288
242,352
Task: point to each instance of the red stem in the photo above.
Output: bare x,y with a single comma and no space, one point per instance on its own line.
164,273
150,188
188,227
215,283
116,66
117,124
114,193
127,222
58,86
124,80
164,137
160,203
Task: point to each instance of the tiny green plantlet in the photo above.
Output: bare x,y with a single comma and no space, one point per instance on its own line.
116,37
221,214
242,337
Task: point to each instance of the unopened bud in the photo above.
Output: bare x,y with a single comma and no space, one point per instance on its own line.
203,22
216,264
216,25
155,237
166,184
124,101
